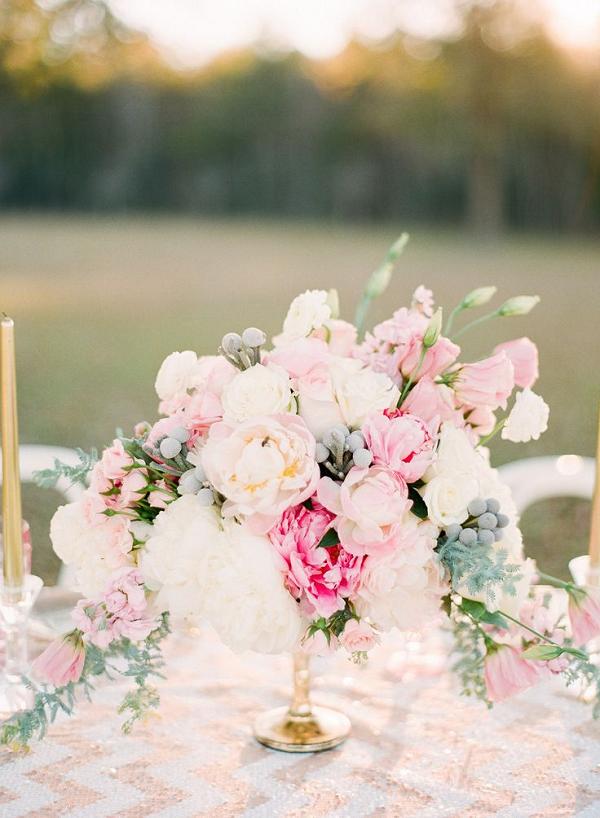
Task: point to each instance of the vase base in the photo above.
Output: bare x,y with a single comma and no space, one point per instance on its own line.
322,729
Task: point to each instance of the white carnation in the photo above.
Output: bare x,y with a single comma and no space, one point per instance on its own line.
205,569
260,390
528,418
177,374
359,391
307,312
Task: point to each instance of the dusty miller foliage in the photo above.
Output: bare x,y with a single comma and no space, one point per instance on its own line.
123,657
470,650
48,478
479,568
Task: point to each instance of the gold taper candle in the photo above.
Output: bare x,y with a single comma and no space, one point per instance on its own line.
11,477
595,526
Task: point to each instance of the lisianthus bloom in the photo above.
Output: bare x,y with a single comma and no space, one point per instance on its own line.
358,636
528,418
319,578
523,354
370,504
340,337
584,614
262,466
506,673
486,383
400,441
432,402
62,661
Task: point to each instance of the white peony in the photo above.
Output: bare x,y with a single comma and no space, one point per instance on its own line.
94,551
359,391
307,312
528,418
177,374
203,569
260,390
402,588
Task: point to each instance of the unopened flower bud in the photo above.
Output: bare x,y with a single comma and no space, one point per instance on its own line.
519,305
478,297
253,337
232,342
333,302
434,328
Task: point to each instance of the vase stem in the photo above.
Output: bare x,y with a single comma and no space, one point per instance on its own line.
300,705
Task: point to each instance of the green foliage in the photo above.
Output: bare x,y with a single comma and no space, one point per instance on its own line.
418,508
585,672
138,662
480,568
48,478
478,612
470,648
329,539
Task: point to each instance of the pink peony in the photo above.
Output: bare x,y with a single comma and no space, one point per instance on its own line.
400,441
358,636
584,614
506,673
523,354
319,578
262,467
486,383
370,504
62,661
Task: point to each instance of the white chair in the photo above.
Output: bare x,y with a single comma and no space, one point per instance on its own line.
35,457
540,478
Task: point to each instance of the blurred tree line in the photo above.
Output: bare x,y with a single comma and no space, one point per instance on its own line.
496,128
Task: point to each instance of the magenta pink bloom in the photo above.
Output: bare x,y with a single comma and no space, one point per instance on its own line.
506,673
369,504
523,354
400,441
584,613
319,578
62,661
358,636
486,383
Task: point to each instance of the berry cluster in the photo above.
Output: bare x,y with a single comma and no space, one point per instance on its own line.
483,526
340,450
193,480
243,351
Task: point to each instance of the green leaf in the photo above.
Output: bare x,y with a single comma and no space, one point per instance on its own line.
542,652
419,509
330,539
480,613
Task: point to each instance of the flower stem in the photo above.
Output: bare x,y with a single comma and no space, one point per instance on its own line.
493,433
412,376
474,323
573,651
456,311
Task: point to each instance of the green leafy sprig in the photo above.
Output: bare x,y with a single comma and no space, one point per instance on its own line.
76,474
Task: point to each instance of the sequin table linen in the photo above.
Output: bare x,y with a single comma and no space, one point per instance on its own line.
417,749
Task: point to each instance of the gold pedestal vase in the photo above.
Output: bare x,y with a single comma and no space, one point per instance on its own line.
302,727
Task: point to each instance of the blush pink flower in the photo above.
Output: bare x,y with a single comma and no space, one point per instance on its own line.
340,337
318,645
584,614
486,383
480,419
432,402
523,354
400,441
506,673
319,578
370,504
62,661
90,618
358,636
299,357
114,461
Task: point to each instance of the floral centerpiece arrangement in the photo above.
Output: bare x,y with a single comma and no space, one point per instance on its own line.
311,495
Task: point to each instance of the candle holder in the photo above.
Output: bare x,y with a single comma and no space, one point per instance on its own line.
301,727
15,607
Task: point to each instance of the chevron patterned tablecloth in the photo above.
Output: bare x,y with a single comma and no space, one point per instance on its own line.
417,749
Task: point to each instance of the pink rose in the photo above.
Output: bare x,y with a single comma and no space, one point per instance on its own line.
62,661
318,645
358,637
262,466
317,404
299,357
115,461
523,354
401,441
340,337
486,383
506,673
584,614
370,504
319,578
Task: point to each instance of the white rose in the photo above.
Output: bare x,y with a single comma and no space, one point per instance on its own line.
307,312
528,418
260,390
448,495
176,375
359,391
317,405
455,452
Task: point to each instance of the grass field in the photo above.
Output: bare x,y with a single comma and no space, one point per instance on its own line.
99,302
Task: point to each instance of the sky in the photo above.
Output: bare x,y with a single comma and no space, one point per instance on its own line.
193,32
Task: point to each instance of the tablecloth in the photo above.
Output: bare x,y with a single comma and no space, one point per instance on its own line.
417,748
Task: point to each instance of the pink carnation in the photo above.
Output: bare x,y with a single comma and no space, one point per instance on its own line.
370,504
486,383
62,661
523,354
584,613
320,578
506,673
401,441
